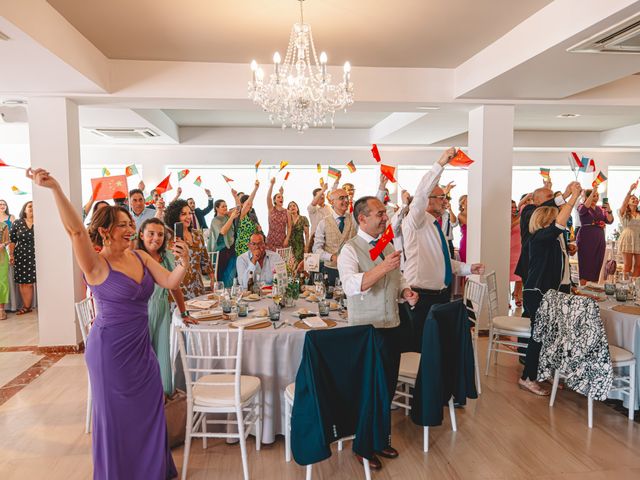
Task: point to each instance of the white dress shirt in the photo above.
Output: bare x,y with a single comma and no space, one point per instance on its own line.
424,266
350,272
317,213
244,265
146,214
319,239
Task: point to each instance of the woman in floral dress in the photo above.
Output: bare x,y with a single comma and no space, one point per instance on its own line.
279,220
247,223
299,232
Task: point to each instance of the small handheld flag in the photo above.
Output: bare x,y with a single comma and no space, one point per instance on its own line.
2,164
105,172
131,170
588,165
599,179
164,185
107,188
319,167
182,174
383,241
286,177
257,165
227,179
460,159
546,173
283,165
574,161
375,152
17,191
321,181
334,173
388,171
198,181
351,166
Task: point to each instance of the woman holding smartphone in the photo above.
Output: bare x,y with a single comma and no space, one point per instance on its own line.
591,239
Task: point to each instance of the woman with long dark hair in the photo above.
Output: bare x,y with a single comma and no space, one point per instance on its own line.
247,222
299,232
22,255
279,219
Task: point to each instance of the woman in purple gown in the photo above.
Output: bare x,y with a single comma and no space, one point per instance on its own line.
591,239
129,426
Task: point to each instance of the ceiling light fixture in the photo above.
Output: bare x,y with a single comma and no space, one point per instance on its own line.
299,93
14,101
568,115
427,108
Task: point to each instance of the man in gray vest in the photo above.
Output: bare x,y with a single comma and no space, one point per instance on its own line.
374,288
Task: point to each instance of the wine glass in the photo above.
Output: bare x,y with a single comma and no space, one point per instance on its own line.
318,281
218,287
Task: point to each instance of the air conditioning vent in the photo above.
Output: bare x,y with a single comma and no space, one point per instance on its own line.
124,133
621,38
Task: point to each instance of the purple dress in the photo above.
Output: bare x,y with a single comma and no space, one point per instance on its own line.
591,242
129,427
463,243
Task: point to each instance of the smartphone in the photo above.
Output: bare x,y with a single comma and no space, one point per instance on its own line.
178,230
605,200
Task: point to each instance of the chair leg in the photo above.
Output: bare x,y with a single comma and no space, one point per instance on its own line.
309,472
489,347
632,390
259,422
554,390
287,430
367,469
87,425
407,400
425,439
590,412
243,443
475,359
204,431
452,415
187,442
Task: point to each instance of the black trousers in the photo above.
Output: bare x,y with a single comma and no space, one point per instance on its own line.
531,300
418,317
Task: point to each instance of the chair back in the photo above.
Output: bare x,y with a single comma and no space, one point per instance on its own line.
473,299
206,351
86,312
285,253
492,291
213,258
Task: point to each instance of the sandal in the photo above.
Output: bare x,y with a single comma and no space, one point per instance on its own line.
534,387
22,311
3,315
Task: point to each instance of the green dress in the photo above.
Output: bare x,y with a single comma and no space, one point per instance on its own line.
4,267
245,230
296,240
160,325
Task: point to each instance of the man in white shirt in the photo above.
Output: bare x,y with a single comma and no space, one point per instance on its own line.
258,260
139,211
373,289
428,267
317,208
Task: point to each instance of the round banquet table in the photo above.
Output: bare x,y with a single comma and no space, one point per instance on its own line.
623,330
273,355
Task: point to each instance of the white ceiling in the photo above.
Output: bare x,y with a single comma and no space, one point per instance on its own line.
375,33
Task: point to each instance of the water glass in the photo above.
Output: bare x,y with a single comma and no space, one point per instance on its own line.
243,309
218,287
225,303
274,312
323,308
610,288
622,292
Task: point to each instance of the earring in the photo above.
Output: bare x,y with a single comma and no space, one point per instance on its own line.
106,241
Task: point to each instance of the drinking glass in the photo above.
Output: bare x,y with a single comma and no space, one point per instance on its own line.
225,303
274,312
323,308
243,309
218,287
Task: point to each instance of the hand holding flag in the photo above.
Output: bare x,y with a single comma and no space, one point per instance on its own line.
182,174
130,170
382,242
460,159
334,173
388,171
375,152
599,179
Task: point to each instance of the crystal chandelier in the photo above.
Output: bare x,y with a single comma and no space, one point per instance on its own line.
299,92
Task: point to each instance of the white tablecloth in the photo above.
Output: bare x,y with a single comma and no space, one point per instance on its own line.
273,356
623,330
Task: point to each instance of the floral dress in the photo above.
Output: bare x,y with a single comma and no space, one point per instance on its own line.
245,229
296,240
199,263
278,220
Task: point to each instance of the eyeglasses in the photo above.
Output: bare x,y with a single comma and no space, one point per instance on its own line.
253,244
440,197
342,198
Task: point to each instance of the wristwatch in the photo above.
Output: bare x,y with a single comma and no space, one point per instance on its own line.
184,314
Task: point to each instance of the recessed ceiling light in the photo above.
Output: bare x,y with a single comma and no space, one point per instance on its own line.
427,108
14,101
568,115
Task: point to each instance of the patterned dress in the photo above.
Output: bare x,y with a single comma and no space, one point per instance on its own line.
199,263
296,240
4,266
24,253
245,229
278,220
629,241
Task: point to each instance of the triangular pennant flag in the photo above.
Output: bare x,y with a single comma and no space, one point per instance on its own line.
283,165
599,179
375,152
227,179
17,191
164,185
383,241
460,159
130,170
388,171
198,181
2,164
286,177
182,174
258,165
334,173
351,166
319,167
105,172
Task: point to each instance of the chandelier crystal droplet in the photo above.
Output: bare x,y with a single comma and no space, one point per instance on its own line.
299,92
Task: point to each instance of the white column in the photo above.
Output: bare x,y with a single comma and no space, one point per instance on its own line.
55,145
489,197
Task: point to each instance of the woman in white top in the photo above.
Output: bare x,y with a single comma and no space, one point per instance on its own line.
629,241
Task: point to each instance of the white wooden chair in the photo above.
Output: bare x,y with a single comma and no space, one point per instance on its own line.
285,253
625,384
213,258
212,361
409,364
86,312
289,394
474,293
503,326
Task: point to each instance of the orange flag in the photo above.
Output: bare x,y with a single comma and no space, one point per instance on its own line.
164,185
388,171
460,160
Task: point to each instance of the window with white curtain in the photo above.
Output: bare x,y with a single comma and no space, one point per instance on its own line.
618,183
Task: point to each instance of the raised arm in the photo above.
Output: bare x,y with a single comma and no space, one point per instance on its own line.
588,203
289,225
88,259
178,193
162,276
209,207
319,195
567,208
246,208
87,206
227,226
625,202
269,194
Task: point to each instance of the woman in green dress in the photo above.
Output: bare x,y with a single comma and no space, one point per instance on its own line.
299,232
4,269
247,222
153,239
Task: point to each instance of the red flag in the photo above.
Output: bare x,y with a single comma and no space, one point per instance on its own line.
2,164
388,171
227,179
460,160
375,152
577,163
383,241
286,177
164,185
106,188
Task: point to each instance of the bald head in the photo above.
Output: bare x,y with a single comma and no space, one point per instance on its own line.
437,200
541,195
339,200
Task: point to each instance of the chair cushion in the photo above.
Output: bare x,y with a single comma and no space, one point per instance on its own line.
409,363
619,354
514,324
290,391
223,395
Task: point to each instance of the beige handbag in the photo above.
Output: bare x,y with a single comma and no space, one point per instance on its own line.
175,410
